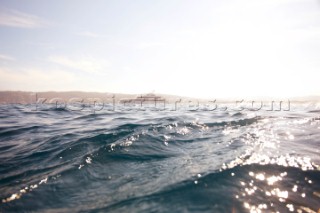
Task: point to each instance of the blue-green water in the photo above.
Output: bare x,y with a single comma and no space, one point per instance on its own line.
159,161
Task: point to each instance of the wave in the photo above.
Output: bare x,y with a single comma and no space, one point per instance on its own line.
155,161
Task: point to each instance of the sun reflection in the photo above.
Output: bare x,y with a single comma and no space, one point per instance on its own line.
295,188
276,189
24,191
284,160
279,193
251,189
290,207
272,179
260,177
255,209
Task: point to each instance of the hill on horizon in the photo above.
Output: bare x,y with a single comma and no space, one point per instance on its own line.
27,97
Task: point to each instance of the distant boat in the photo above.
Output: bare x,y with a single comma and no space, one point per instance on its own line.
149,97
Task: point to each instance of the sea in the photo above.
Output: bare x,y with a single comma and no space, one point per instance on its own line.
149,159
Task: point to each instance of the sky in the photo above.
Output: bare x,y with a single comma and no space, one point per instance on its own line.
203,48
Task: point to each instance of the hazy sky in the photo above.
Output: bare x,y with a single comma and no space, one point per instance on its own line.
214,48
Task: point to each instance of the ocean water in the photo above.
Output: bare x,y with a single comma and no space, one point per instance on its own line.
144,160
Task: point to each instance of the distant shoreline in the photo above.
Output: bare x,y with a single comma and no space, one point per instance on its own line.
27,97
